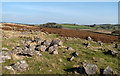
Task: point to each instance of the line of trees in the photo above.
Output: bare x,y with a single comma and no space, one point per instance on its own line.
52,25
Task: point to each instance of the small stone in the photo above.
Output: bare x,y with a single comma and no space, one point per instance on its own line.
5,49
50,70
55,52
60,60
8,68
69,48
75,54
108,70
72,58
89,38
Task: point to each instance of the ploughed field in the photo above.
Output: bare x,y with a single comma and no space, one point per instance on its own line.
66,33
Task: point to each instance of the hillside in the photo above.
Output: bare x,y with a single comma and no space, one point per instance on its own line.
34,50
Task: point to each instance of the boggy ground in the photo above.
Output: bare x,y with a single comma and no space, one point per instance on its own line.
59,63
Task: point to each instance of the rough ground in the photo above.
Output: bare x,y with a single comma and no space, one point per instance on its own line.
64,62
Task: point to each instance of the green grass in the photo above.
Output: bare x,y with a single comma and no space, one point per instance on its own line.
51,62
75,27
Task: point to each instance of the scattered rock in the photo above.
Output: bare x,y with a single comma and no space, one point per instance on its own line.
108,70
90,68
20,66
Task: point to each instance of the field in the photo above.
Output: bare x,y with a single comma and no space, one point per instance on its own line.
97,27
69,33
59,63
82,34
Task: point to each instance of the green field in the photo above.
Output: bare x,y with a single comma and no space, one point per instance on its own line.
105,27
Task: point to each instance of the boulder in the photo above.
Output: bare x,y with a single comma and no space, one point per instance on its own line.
4,56
108,70
90,68
31,46
41,48
17,50
28,53
69,48
45,43
28,41
20,66
38,41
56,41
52,48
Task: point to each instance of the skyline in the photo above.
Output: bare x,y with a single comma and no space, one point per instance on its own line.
60,12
